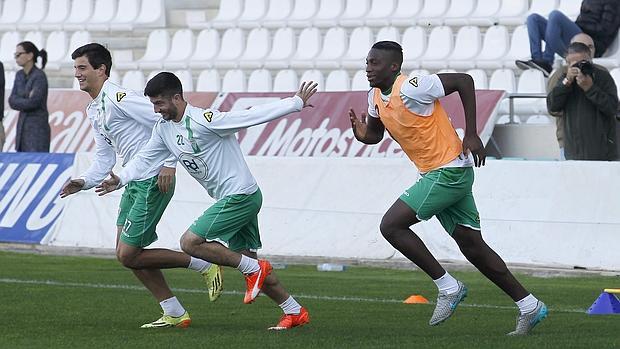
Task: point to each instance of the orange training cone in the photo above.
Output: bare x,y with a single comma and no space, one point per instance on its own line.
416,299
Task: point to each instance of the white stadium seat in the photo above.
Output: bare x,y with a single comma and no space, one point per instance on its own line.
503,79
308,47
494,47
360,43
615,74
380,13
78,39
257,48
282,48
570,8
285,81
227,14
440,43
103,13
54,19
233,43
207,46
12,12
354,13
186,80
152,14
277,13
134,80
519,47
466,48
388,34
260,81
513,12
337,80
414,46
234,81
314,75
7,48
253,12
484,13
458,12
334,47
543,7
432,12
303,12
531,81
406,12
157,48
208,81
56,47
359,81
481,81
126,15
181,50
9,78
36,37
34,13
611,57
81,11
328,13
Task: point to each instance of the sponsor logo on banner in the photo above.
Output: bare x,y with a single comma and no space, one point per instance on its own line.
29,188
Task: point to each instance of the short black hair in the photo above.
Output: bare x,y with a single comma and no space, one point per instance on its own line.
393,47
96,54
163,84
579,47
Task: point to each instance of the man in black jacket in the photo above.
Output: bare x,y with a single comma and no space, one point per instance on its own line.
587,96
598,18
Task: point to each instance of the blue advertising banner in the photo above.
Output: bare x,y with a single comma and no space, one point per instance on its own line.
29,187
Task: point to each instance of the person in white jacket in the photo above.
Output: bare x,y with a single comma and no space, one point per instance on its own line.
204,142
122,121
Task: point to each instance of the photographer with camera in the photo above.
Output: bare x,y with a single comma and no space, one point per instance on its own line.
587,100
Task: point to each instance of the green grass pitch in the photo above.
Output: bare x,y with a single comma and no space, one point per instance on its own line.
85,302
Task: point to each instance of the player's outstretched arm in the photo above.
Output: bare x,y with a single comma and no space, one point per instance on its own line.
71,187
109,185
370,132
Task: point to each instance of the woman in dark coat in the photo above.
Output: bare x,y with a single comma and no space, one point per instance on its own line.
29,97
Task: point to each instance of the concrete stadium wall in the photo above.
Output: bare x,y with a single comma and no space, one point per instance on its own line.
533,212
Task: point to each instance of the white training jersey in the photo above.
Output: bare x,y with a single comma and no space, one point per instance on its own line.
122,121
420,100
204,142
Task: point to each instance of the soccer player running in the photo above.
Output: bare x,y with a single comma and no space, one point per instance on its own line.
408,107
204,142
122,122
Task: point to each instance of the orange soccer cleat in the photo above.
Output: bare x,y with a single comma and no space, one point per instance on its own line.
255,281
288,321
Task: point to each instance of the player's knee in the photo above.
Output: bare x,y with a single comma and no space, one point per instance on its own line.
387,227
187,244
127,259
555,15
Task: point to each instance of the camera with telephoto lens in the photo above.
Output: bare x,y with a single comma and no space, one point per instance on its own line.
585,67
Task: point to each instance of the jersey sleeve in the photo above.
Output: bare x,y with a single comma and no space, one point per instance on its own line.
154,152
371,104
103,163
226,123
425,89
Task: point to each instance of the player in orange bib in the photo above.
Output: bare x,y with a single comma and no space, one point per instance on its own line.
409,108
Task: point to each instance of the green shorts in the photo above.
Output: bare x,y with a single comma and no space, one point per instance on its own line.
141,208
445,193
232,221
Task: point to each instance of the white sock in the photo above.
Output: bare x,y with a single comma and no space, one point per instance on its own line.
172,307
248,265
527,304
290,306
198,265
447,283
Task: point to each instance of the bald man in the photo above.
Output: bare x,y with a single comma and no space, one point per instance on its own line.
553,80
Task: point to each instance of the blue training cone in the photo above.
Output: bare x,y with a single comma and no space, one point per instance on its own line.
606,303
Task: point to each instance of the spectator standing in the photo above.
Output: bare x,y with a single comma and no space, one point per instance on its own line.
586,95
598,18
29,97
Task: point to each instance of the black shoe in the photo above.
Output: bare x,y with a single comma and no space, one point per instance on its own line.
541,65
523,65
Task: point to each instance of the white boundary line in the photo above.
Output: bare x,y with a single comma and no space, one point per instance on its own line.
306,296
